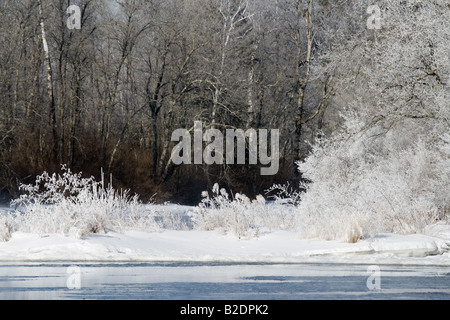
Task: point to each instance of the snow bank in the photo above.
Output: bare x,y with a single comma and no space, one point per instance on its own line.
212,246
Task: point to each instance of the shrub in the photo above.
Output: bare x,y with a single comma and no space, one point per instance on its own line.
70,204
356,191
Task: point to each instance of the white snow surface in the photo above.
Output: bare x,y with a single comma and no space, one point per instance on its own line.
430,248
212,246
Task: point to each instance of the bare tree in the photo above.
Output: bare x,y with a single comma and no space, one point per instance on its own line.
50,89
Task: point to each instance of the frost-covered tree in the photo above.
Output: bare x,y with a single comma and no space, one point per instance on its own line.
388,169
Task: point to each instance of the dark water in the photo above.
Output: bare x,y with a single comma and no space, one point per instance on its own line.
180,281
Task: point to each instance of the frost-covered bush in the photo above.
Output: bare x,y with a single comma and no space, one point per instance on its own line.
240,215
229,215
387,169
285,194
357,191
70,204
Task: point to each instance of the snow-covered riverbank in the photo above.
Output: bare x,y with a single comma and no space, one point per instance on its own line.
188,244
212,246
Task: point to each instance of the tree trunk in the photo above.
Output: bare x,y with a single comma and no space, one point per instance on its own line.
302,77
50,90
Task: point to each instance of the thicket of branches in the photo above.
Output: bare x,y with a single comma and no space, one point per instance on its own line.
110,94
387,167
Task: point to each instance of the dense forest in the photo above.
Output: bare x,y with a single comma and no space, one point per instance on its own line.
108,93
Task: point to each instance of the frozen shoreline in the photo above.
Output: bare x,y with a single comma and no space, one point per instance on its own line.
212,246
431,248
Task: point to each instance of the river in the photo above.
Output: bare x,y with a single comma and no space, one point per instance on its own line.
218,281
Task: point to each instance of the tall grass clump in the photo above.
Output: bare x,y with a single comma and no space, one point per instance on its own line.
239,215
67,203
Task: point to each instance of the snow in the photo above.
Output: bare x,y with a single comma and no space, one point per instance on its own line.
213,246
242,231
283,246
